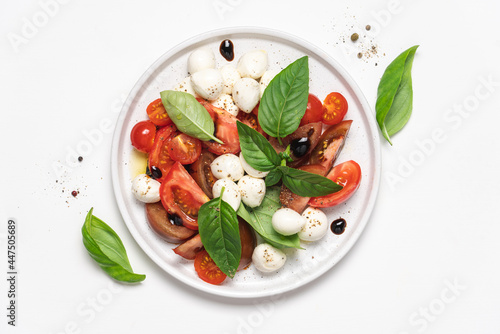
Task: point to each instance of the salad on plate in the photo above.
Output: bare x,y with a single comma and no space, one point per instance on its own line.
241,163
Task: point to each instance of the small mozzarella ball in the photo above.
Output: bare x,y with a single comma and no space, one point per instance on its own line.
287,221
230,75
225,101
267,259
250,170
316,225
201,59
252,190
227,166
266,79
246,94
185,86
146,189
253,64
231,193
207,83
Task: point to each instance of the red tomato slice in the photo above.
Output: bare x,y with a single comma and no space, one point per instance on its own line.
188,249
207,269
143,136
348,175
314,111
157,113
294,201
334,108
184,149
158,156
207,106
225,130
252,121
181,196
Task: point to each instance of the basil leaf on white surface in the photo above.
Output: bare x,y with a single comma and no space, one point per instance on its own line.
106,248
395,94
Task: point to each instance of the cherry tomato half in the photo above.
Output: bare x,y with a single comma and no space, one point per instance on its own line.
157,113
348,175
207,269
334,108
314,111
184,149
143,136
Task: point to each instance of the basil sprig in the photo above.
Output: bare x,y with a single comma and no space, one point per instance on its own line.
285,100
106,248
188,115
260,218
395,94
220,234
259,154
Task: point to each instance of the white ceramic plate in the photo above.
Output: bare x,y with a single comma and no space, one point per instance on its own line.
362,145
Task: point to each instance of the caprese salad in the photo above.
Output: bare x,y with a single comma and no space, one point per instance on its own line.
195,153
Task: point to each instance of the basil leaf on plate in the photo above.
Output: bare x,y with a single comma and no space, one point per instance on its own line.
106,248
220,234
395,94
256,150
188,115
260,218
285,100
273,177
307,184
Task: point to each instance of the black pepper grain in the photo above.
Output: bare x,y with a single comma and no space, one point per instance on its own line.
354,37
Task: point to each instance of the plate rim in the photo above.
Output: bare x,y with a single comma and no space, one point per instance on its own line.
375,139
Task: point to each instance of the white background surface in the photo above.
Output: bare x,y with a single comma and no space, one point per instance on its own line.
435,224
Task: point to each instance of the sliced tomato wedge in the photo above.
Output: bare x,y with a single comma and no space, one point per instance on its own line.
207,269
252,121
157,113
158,156
207,106
329,145
294,201
202,173
184,148
348,175
181,196
225,130
334,108
188,249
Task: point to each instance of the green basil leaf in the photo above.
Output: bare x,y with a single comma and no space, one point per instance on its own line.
273,177
106,248
220,234
256,150
395,94
285,100
260,218
188,115
307,184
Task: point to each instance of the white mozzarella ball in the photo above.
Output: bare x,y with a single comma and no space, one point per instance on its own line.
246,94
253,64
225,101
316,225
201,59
227,166
146,189
267,259
250,170
230,75
252,190
185,86
207,83
287,221
231,193
266,79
